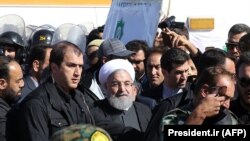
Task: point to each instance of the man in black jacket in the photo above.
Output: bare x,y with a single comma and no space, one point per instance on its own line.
213,57
11,84
175,67
55,104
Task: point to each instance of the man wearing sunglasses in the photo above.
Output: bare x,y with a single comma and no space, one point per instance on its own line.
241,106
210,105
234,35
138,60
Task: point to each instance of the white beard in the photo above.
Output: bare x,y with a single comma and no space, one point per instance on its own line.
121,103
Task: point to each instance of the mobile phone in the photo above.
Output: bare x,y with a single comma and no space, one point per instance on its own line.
166,39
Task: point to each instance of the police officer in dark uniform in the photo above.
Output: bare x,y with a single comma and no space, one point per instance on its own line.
38,59
12,45
12,37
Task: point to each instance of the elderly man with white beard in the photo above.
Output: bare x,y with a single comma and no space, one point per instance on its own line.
117,77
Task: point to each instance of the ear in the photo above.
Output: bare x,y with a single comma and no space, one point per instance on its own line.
3,84
106,85
204,90
104,59
164,72
54,68
135,89
35,65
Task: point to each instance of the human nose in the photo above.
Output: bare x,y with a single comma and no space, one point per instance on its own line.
235,49
134,65
184,75
226,103
22,83
6,53
78,70
153,71
122,87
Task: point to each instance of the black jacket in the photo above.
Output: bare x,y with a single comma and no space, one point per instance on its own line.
241,112
154,93
43,112
179,100
29,86
4,109
143,112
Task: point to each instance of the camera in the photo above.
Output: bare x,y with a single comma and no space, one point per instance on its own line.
171,23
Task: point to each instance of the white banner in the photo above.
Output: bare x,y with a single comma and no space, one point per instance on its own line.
133,19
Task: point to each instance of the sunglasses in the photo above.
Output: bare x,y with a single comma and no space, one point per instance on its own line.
92,55
135,62
191,78
244,82
232,45
220,91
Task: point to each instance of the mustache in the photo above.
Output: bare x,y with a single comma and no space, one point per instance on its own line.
121,94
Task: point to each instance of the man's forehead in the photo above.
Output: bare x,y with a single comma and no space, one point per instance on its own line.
15,68
181,67
120,73
73,59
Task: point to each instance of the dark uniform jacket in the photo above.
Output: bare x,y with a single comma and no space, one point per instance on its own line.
143,112
156,93
240,112
29,86
45,111
153,131
4,109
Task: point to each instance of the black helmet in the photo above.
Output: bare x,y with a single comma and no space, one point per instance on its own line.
42,37
11,38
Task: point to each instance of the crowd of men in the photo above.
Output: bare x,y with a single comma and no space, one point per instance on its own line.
57,86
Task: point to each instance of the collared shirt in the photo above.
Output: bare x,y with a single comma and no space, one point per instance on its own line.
168,92
71,104
34,81
95,88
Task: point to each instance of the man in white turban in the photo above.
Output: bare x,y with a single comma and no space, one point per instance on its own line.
117,77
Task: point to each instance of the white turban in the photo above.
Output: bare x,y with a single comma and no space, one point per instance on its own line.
113,65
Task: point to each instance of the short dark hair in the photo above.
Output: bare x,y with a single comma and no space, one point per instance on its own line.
181,31
213,57
136,45
59,50
4,67
209,77
244,59
160,50
244,43
94,34
173,56
238,28
36,53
